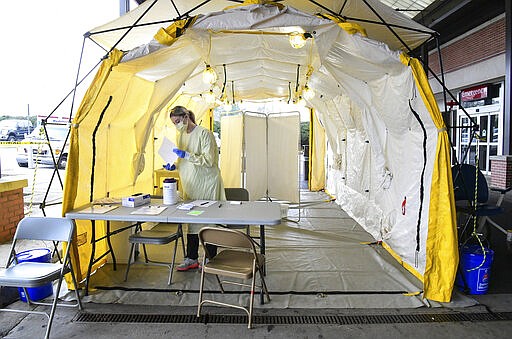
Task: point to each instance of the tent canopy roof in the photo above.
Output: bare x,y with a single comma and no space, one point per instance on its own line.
153,14
264,65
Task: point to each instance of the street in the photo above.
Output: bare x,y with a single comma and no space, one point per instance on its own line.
38,183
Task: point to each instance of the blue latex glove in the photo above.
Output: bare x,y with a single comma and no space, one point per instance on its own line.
170,167
180,153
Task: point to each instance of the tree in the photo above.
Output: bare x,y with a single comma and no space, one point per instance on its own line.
304,133
216,126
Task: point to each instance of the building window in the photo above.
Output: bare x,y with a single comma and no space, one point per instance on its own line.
485,140
479,125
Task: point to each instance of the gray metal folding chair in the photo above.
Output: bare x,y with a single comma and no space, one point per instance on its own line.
158,235
237,259
36,274
237,194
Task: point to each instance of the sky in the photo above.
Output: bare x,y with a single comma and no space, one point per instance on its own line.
41,43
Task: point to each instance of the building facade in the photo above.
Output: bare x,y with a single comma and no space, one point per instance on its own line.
474,72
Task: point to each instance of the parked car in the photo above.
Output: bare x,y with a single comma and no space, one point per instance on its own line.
57,135
14,129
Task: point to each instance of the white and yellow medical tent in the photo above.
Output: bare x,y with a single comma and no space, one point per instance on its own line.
387,146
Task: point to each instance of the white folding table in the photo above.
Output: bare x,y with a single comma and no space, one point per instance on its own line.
260,213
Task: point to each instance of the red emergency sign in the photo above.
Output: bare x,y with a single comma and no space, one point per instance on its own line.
474,93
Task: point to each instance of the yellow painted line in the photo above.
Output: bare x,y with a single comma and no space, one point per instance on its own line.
10,143
412,294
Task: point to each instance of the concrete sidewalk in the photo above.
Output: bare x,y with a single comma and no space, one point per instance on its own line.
134,321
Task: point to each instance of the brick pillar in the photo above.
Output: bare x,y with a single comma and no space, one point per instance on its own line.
12,210
501,171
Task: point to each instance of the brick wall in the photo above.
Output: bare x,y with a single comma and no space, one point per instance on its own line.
12,211
501,171
477,46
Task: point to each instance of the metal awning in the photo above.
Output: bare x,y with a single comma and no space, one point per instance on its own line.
408,7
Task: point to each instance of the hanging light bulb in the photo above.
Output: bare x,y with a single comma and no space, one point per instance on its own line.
209,97
227,106
209,75
298,40
308,93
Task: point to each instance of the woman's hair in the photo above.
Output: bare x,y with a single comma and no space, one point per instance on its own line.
179,111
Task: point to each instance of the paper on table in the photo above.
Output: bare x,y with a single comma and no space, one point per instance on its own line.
99,209
166,152
150,210
107,201
203,203
186,207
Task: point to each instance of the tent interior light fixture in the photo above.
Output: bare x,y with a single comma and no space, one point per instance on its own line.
209,97
298,39
308,93
209,75
227,106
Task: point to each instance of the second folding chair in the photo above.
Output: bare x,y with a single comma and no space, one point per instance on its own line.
237,258
158,235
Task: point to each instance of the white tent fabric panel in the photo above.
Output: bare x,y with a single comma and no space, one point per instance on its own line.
412,36
231,142
283,149
269,56
260,17
151,11
163,64
255,154
375,122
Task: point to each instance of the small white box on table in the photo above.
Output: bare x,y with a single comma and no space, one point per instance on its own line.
135,200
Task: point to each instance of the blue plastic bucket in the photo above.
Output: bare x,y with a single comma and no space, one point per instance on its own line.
35,255
474,273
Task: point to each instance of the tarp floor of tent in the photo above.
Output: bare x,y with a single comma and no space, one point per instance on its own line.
318,258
